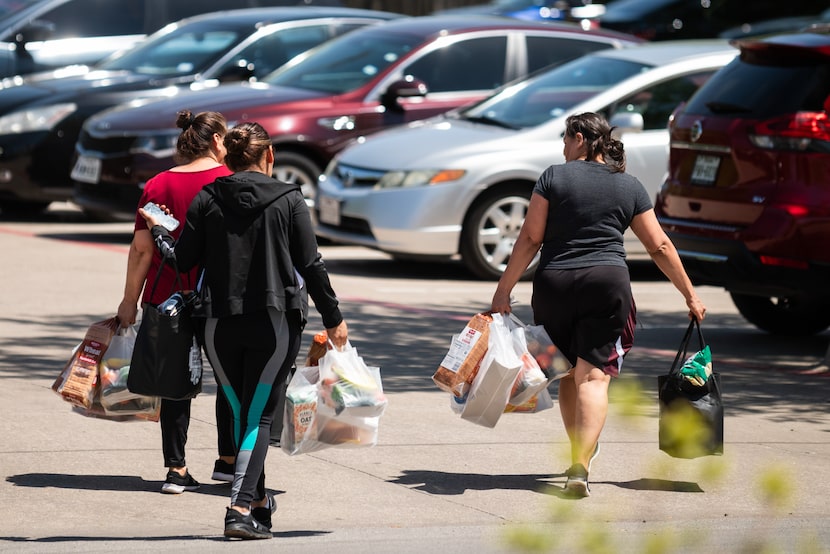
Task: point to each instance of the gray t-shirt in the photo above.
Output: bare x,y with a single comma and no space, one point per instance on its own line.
591,206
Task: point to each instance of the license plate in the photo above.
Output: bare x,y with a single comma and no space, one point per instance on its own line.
87,170
705,170
329,210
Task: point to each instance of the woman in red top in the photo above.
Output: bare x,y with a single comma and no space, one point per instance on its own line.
200,154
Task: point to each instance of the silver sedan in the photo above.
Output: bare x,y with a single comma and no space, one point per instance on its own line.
459,185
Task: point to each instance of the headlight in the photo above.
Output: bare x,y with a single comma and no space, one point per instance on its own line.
37,119
159,146
398,179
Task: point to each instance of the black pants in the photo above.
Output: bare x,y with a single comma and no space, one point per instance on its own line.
250,355
175,422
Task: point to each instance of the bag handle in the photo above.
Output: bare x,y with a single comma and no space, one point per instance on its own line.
172,261
684,345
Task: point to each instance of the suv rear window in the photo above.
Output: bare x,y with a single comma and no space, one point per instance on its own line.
761,91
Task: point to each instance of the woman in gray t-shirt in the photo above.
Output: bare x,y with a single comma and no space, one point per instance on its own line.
578,214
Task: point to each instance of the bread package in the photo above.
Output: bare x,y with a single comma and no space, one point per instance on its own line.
466,351
80,378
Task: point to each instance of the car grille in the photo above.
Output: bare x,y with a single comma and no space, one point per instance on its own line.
105,145
351,176
350,225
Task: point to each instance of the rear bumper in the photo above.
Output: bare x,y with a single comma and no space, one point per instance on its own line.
117,202
729,264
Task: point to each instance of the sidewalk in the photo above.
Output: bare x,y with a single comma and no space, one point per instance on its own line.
434,483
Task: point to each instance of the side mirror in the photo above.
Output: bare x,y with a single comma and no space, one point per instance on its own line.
408,87
627,122
35,31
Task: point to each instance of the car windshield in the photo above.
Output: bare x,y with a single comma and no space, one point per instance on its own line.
182,51
345,64
553,93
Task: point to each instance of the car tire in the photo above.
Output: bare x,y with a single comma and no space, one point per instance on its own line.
796,317
490,231
291,167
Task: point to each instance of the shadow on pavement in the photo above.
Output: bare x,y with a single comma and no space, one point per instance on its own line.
445,483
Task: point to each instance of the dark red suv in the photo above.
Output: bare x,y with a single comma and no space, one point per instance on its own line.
747,200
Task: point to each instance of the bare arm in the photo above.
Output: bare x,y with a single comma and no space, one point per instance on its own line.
664,254
138,264
527,245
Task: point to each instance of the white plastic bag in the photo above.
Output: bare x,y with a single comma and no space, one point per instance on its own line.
348,385
551,361
491,387
114,368
310,425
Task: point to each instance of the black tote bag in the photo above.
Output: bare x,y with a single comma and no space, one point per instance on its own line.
161,363
691,416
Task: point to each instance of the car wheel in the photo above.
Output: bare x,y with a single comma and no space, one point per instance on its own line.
296,168
491,230
784,316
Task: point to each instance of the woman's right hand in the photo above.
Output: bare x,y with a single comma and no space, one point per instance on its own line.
338,335
127,312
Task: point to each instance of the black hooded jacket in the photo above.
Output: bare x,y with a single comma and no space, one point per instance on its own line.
249,232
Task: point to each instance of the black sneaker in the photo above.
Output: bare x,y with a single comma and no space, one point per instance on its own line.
238,526
176,484
222,471
577,483
263,513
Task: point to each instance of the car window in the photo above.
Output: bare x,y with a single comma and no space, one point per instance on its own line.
658,101
93,18
176,53
271,51
346,63
11,7
461,65
761,91
546,51
554,92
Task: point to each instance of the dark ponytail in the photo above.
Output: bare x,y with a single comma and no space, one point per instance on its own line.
598,140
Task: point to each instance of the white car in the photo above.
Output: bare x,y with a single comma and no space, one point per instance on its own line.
459,184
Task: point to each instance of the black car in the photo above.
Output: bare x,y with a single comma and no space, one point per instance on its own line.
682,19
36,35
41,115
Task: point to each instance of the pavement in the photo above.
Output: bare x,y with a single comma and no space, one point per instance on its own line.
433,483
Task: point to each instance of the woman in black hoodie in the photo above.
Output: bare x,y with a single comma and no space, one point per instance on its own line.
249,232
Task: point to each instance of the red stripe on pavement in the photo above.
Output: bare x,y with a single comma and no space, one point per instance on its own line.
29,234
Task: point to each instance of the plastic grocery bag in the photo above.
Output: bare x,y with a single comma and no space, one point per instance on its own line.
310,425
348,385
531,379
551,361
115,397
491,387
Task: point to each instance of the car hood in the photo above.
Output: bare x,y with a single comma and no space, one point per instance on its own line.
234,101
433,143
81,88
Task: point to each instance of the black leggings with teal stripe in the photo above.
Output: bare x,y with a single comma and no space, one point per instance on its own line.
249,353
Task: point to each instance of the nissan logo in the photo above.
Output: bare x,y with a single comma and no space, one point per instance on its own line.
696,131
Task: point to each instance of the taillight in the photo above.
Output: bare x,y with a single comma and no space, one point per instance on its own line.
801,131
784,262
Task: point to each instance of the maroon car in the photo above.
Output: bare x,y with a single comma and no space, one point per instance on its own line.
365,81
747,200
